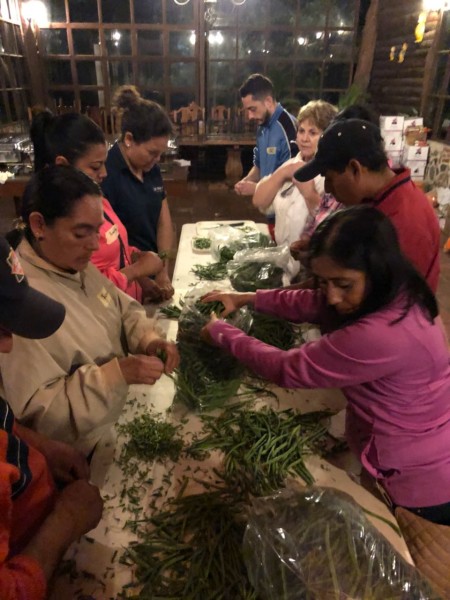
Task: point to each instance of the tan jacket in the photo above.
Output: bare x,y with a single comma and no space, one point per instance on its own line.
69,386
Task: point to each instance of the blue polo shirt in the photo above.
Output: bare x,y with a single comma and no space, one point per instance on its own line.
136,203
275,142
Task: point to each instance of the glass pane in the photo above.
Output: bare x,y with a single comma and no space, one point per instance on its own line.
118,42
176,14
221,75
89,73
115,12
336,75
120,73
179,99
148,12
12,106
251,44
2,45
445,122
19,39
18,105
59,72
181,43
90,98
182,74
4,10
55,41
56,10
280,43
19,70
442,65
10,74
446,31
307,75
283,12
342,13
312,13
83,11
14,11
9,38
282,76
216,97
310,45
253,14
154,95
86,41
150,43
221,44
150,73
246,68
222,14
3,113
63,98
340,44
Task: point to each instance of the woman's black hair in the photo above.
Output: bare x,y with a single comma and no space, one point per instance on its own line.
144,119
69,135
53,192
363,239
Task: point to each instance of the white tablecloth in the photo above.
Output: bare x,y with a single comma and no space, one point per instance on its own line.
96,570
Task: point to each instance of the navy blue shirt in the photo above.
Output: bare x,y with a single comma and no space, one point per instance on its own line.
137,203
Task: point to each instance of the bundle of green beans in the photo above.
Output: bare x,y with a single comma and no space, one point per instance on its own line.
149,439
193,550
171,312
317,544
273,330
261,448
253,275
211,271
206,377
251,240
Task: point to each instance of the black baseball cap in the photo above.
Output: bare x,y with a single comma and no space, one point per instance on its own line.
341,142
23,310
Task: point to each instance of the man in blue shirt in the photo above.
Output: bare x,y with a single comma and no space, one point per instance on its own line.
276,135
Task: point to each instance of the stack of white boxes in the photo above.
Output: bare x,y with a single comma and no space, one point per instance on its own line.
399,152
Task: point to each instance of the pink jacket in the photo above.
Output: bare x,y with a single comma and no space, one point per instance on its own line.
107,257
396,378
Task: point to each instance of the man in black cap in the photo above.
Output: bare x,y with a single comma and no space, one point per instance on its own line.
351,157
37,523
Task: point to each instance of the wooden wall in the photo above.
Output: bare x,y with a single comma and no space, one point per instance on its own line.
402,87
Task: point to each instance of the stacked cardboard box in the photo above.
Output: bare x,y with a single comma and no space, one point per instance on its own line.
405,143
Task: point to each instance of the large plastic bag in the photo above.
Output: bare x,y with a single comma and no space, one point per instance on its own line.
317,544
226,241
207,376
259,268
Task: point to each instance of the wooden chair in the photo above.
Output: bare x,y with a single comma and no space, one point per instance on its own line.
188,119
220,119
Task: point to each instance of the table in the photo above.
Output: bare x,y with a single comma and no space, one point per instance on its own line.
99,574
234,145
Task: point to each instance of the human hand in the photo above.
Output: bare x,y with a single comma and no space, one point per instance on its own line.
169,350
146,263
230,301
140,368
80,504
245,188
65,463
150,290
165,285
205,334
300,247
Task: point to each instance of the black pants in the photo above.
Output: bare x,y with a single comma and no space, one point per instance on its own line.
439,514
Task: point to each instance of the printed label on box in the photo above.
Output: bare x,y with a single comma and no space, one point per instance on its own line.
417,168
415,152
394,123
393,140
413,122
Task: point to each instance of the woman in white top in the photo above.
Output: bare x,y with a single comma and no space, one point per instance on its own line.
294,202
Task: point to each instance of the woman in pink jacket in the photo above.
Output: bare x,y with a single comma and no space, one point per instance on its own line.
381,345
74,139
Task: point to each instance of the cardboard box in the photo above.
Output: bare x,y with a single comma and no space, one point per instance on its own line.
394,123
393,140
412,122
415,152
417,168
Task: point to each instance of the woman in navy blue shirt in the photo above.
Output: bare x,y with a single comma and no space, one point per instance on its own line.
134,185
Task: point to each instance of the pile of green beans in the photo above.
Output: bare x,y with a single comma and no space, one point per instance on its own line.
202,243
171,312
261,448
273,330
211,271
252,275
193,550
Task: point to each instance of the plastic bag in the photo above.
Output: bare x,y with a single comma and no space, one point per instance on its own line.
226,241
317,544
260,268
207,376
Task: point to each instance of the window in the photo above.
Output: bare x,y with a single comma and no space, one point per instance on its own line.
440,97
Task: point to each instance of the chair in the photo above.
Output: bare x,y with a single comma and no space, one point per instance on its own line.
220,119
189,120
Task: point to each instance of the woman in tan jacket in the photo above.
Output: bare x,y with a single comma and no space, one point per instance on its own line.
76,380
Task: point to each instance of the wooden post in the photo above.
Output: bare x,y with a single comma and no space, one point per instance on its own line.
367,49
